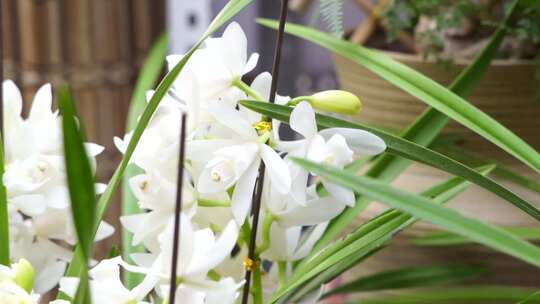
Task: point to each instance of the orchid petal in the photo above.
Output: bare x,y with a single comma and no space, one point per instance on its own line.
302,120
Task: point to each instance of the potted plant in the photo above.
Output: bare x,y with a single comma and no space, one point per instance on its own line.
439,39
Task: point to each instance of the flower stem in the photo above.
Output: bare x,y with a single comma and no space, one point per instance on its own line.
257,289
282,272
297,100
204,202
267,226
4,216
237,82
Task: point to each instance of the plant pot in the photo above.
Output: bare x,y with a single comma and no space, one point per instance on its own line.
507,93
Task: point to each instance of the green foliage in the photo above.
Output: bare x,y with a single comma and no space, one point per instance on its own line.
80,178
426,209
426,90
408,278
149,75
406,149
472,294
81,184
323,265
4,216
444,238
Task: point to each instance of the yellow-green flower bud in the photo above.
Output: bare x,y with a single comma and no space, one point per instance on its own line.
24,275
336,101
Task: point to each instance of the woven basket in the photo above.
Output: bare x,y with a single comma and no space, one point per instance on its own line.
507,93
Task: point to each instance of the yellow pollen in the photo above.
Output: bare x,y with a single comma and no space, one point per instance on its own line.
144,185
263,126
250,264
216,177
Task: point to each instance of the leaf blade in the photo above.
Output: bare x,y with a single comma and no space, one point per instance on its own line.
404,148
423,88
4,215
408,278
149,74
424,208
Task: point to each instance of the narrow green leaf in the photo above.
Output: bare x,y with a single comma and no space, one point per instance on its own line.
148,77
82,296
81,184
324,265
423,131
80,178
501,171
232,8
445,238
423,88
531,298
409,277
404,148
425,209
4,216
474,294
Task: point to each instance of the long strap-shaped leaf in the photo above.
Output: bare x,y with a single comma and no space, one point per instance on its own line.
148,77
4,216
230,10
415,205
408,277
425,89
322,267
459,294
423,131
409,150
80,179
426,209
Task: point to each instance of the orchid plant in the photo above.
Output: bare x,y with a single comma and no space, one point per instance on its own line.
200,217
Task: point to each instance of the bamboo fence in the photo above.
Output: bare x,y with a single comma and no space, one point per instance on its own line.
94,45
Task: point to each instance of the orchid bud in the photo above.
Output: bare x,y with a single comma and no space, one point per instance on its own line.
24,275
336,101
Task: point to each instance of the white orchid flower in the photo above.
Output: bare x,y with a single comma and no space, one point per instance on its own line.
334,146
216,67
48,258
236,161
157,195
105,285
16,283
199,253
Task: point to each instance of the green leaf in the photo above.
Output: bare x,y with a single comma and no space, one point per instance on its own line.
232,8
404,148
423,88
423,131
82,296
148,77
474,294
409,277
80,178
4,216
324,265
81,184
501,171
445,238
425,209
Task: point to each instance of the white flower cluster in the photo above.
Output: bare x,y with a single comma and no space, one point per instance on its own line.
226,144
41,227
225,147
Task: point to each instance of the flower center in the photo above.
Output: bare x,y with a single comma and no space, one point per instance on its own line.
215,176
